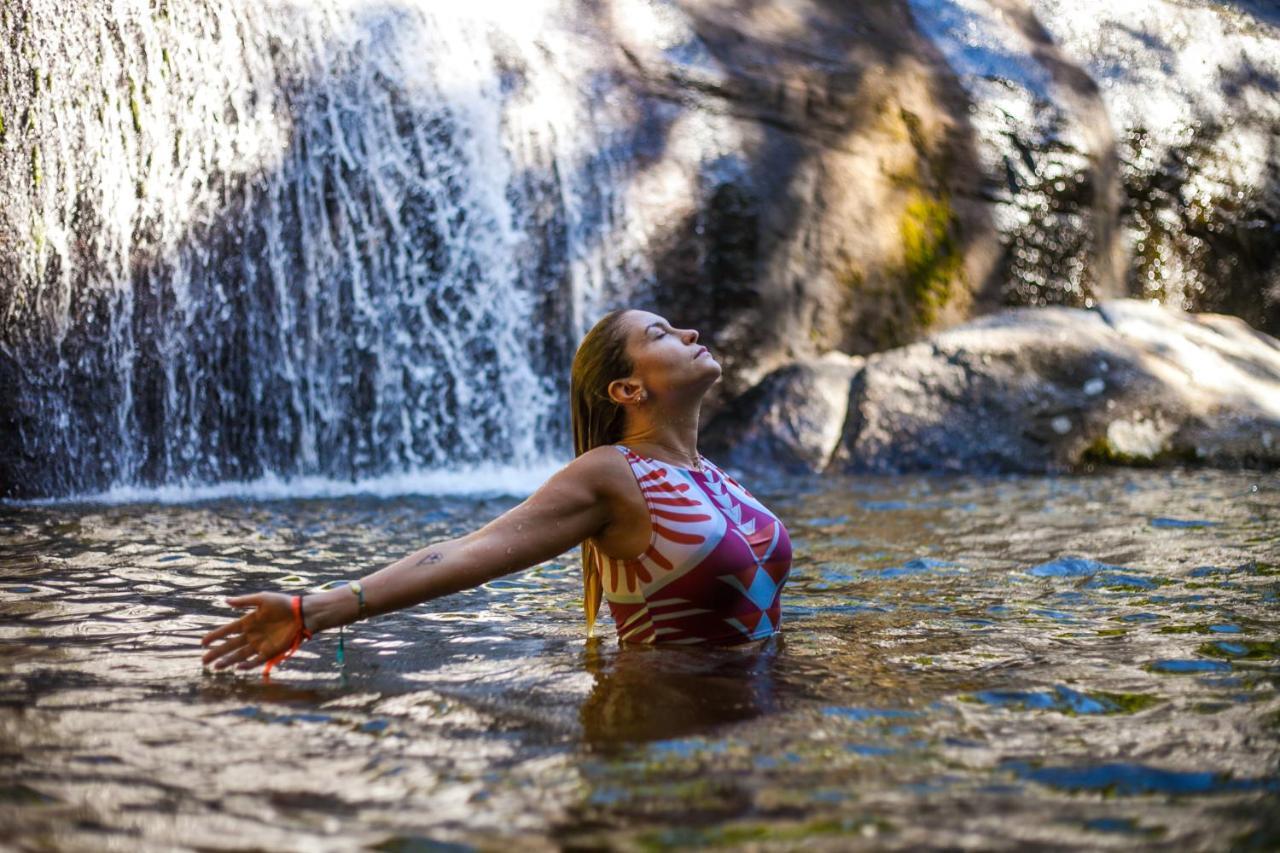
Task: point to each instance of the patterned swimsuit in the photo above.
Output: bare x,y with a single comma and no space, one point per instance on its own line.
715,565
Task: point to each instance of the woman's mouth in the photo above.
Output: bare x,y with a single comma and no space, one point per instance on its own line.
701,351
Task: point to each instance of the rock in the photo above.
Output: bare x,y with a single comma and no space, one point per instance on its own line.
1054,389
1225,373
1120,160
831,195
791,421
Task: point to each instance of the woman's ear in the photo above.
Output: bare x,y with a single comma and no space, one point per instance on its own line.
627,392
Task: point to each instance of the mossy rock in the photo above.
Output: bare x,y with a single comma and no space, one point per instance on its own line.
932,260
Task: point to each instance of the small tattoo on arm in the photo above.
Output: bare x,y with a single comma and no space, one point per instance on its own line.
427,559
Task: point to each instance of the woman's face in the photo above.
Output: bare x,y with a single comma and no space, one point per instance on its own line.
668,361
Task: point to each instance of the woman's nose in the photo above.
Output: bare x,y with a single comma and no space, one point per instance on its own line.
690,336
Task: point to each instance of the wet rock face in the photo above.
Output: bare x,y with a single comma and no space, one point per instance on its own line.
834,186
340,254
1128,148
791,421
1056,389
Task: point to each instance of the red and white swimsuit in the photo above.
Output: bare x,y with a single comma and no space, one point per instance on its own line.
715,565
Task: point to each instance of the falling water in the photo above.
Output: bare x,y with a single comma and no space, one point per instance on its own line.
337,239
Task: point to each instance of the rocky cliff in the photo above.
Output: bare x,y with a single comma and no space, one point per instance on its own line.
247,241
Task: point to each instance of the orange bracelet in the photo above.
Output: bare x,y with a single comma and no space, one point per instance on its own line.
298,638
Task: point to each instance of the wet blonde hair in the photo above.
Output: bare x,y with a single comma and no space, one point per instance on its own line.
597,420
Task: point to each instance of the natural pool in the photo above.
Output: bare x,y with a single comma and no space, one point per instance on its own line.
1074,662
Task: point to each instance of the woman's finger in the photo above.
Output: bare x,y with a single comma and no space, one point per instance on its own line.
246,600
219,633
226,648
256,660
236,657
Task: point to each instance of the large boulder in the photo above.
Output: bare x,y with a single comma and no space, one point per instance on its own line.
1057,388
791,421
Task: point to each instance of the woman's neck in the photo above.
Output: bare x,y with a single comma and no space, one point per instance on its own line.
674,434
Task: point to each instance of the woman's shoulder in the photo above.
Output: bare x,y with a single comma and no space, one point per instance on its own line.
604,466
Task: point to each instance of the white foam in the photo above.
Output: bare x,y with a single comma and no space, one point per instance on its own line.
509,480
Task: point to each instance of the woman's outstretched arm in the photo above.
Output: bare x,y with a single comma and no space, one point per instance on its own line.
577,502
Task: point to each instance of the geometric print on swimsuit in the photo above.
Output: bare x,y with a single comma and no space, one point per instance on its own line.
665,593
763,590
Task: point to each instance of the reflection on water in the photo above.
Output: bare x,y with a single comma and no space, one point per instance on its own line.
1086,662
643,693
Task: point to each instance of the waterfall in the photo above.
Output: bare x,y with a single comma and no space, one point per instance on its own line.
350,242
315,239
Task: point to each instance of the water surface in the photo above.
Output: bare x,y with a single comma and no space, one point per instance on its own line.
1088,662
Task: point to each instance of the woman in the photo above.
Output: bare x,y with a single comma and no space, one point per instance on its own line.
682,552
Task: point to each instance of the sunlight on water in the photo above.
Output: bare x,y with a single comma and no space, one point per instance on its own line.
990,662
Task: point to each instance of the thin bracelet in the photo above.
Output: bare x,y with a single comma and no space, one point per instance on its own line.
298,638
361,611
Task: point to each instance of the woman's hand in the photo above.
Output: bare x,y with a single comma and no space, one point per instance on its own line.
256,637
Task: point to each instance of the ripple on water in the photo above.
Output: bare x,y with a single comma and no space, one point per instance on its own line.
488,710
1070,567
1120,582
1241,649
1181,523
870,714
1137,779
918,566
1188,667
1065,700
1122,825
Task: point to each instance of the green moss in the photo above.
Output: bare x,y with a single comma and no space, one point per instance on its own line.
1103,452
1128,703
37,172
1183,629
1,127
1240,650
37,236
135,108
932,260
